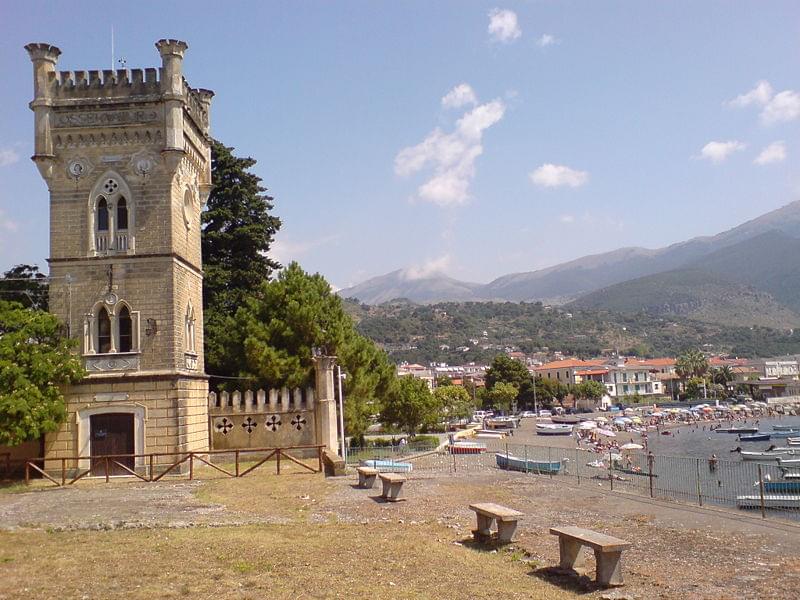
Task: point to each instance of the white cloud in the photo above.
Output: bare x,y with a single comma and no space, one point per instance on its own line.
775,108
8,157
759,95
717,152
567,219
432,266
775,152
451,154
550,175
547,40
459,96
784,106
503,25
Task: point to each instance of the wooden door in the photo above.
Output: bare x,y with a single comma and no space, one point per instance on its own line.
111,433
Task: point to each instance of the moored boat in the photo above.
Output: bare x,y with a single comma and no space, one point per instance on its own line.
769,501
567,419
736,430
782,487
793,441
466,448
502,423
784,427
785,434
756,437
515,463
387,466
553,429
762,455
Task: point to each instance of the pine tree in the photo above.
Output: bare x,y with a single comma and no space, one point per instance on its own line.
238,231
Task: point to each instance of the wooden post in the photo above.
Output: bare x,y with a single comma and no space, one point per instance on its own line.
578,465
151,466
550,460
611,470
106,463
319,458
650,461
761,493
191,466
63,471
697,481
526,458
27,473
279,461
237,463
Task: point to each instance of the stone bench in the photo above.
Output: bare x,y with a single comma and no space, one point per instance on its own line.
366,477
607,552
488,513
392,486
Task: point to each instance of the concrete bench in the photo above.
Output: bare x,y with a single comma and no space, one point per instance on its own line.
392,486
488,513
366,477
607,552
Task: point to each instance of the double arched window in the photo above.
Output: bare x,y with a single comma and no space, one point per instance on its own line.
111,329
111,216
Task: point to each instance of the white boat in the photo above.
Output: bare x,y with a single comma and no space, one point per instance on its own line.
771,455
793,441
553,429
770,501
788,462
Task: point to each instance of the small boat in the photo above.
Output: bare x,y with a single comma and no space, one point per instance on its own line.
489,434
553,429
782,487
502,423
788,462
756,437
785,434
737,430
761,455
387,466
514,463
597,464
466,448
568,419
793,441
770,501
785,427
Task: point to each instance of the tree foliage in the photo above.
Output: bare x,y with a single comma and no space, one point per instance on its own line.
26,285
590,390
35,360
691,363
502,396
237,233
411,406
455,401
505,369
280,325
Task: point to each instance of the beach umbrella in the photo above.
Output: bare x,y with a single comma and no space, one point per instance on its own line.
606,432
631,446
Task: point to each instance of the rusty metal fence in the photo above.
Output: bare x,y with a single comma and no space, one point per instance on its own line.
156,465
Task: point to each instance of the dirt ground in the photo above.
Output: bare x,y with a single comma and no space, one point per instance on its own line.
300,535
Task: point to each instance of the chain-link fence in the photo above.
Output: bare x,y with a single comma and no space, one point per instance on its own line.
765,487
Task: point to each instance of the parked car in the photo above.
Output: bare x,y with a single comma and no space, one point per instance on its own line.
545,413
527,414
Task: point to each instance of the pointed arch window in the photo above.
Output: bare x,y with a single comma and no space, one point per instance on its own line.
103,331
112,216
125,325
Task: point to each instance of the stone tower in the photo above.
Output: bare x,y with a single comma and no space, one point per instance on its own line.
127,160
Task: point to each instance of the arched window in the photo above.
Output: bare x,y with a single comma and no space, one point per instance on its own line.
112,216
125,325
122,214
102,214
103,331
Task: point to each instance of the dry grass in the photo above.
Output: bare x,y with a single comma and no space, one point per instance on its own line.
385,557
280,561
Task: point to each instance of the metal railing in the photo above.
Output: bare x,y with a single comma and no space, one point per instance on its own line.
724,483
152,466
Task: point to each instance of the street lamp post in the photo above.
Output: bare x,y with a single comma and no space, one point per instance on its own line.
341,413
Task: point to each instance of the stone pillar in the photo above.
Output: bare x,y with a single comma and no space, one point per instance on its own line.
172,91
44,58
325,405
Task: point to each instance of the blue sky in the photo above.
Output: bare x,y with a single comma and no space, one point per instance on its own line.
475,138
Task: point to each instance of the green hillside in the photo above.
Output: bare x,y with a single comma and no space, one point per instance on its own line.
695,294
418,333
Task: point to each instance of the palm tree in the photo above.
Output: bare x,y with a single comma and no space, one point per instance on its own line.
691,363
722,375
